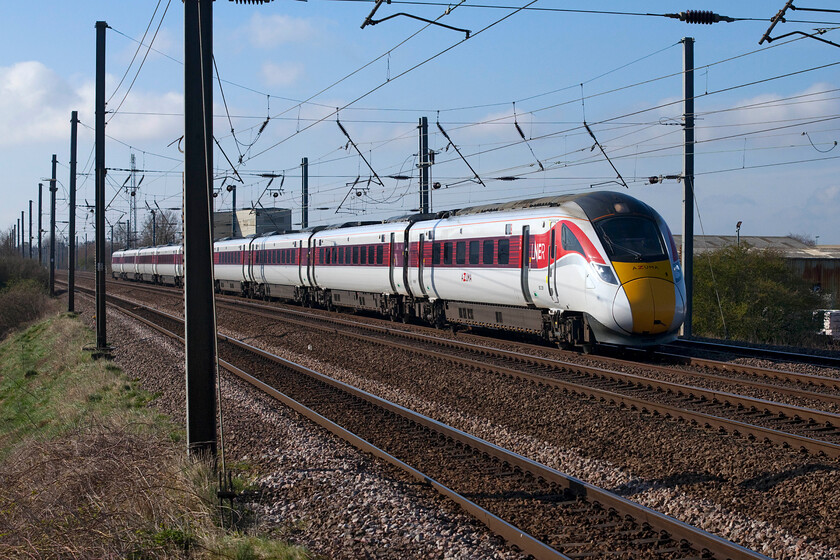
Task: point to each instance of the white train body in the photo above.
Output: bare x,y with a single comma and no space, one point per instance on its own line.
596,267
277,269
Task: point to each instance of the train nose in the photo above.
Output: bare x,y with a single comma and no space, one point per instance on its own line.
649,306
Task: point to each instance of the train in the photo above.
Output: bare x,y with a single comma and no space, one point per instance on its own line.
577,270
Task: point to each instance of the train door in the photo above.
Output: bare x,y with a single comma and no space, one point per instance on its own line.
552,265
311,255
421,251
525,262
392,257
259,265
297,260
245,268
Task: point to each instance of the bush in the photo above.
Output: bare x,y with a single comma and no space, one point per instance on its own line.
23,293
16,269
761,298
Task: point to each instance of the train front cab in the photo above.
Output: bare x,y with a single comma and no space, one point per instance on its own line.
649,305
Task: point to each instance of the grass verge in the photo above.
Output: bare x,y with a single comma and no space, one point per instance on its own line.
88,470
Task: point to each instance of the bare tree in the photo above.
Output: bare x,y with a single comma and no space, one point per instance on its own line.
804,238
160,228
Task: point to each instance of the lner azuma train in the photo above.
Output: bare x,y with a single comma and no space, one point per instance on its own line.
577,269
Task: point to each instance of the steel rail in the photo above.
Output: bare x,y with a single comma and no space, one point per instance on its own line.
809,379
677,530
783,375
736,427
769,407
497,525
767,353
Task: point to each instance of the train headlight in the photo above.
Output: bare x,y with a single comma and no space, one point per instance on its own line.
605,272
677,272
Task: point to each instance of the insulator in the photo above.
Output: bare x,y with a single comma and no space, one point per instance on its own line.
699,16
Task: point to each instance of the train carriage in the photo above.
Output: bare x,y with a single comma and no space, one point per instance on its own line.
128,263
231,265
169,265
145,269
360,266
278,268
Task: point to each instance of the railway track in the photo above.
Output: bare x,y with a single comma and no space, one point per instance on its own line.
796,427
680,346
538,509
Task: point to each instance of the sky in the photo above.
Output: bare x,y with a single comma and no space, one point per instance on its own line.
513,99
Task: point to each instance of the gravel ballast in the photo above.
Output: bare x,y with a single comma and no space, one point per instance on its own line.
318,491
764,497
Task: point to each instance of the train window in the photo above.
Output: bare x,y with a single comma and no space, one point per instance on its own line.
355,255
371,251
447,252
475,251
341,255
631,239
504,251
380,252
436,253
329,255
461,252
363,255
488,251
570,242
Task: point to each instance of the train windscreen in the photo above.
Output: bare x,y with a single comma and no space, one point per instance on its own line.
631,239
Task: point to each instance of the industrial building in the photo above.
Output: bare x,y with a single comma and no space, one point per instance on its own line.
258,221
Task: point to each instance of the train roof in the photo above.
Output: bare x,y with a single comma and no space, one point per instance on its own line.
595,205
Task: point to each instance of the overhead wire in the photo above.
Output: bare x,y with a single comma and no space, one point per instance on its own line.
136,52
394,78
568,10
142,63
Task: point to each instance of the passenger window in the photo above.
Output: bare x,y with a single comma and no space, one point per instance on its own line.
461,252
504,251
570,242
379,254
341,255
436,253
363,251
488,251
475,251
355,255
447,252
370,254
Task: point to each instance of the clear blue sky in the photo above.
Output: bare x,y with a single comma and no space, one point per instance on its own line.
765,152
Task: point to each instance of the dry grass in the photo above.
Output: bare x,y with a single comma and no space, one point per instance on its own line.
101,491
88,470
